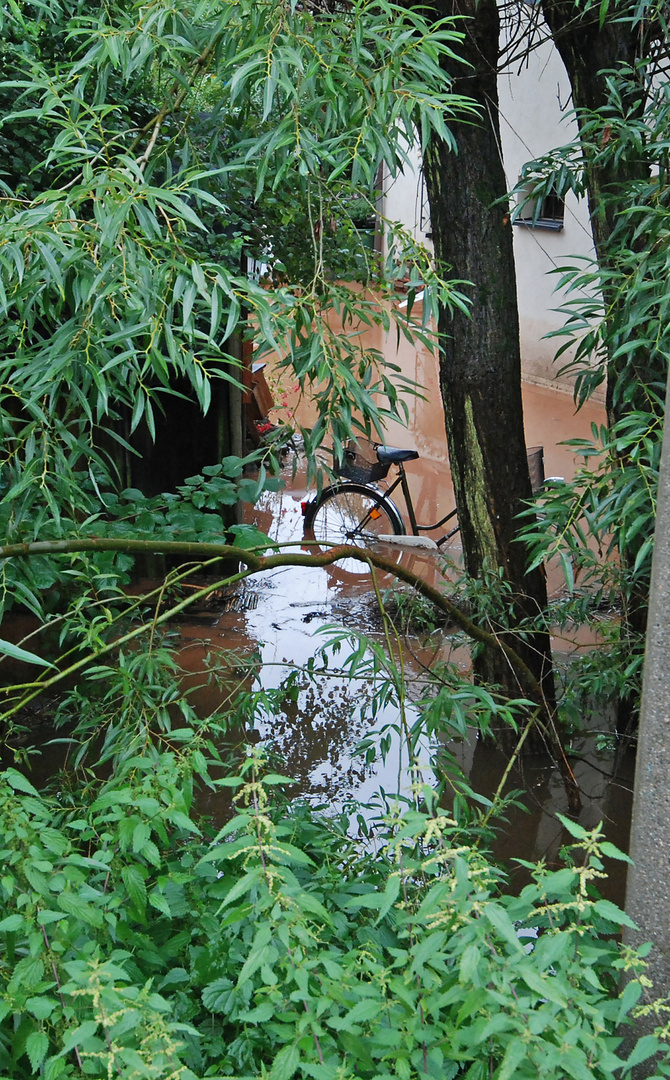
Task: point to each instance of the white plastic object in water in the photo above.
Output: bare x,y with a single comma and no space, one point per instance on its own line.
409,541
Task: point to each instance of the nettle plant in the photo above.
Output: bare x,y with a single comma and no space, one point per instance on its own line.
135,943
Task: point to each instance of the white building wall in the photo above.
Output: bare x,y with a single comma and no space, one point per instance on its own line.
535,117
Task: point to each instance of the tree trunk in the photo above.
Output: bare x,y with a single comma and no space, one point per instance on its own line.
480,365
647,895
589,49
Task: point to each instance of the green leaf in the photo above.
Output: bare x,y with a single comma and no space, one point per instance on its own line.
291,854
391,893
642,1051
629,998
54,1068
258,1015
361,1012
469,963
516,1051
545,988
503,924
75,905
27,974
37,1045
41,1007
160,903
572,827
218,996
18,782
141,834
372,900
250,538
612,913
285,1063
12,923
151,853
78,1036
613,852
175,977
137,890
16,653
257,954
45,916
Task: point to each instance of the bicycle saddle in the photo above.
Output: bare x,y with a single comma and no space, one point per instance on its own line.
389,455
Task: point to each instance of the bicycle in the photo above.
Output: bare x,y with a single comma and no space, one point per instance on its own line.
353,510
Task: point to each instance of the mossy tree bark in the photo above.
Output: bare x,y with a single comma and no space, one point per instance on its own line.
480,365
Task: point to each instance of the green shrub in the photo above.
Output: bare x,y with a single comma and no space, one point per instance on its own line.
133,945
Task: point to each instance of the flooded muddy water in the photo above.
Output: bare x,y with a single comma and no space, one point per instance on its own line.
282,619
316,730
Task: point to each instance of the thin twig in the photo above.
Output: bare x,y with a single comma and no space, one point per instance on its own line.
256,563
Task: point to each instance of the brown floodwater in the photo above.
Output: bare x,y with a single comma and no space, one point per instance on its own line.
282,620
287,612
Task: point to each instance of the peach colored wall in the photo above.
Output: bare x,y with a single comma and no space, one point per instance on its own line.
535,116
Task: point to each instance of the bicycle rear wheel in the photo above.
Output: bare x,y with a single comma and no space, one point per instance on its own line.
352,514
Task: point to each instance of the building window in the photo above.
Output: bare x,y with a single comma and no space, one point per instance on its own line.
544,212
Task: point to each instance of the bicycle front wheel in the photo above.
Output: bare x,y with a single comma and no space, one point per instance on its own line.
353,514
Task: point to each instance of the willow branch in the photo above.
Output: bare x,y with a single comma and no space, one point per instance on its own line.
173,104
256,563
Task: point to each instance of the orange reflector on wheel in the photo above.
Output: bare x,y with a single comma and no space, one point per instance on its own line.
374,514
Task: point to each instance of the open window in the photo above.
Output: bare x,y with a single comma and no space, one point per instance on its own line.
543,212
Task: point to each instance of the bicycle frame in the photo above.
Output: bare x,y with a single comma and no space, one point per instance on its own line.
401,481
